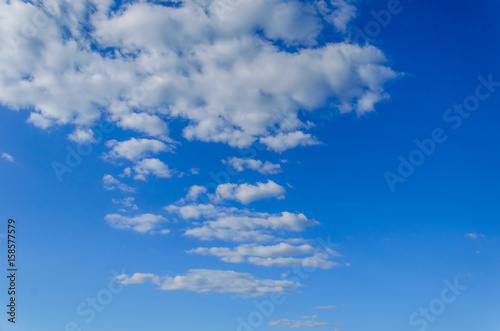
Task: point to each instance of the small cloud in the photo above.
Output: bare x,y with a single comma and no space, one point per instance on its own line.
325,307
111,184
8,157
474,235
82,136
194,171
309,317
127,203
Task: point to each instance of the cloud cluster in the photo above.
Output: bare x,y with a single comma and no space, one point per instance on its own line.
144,64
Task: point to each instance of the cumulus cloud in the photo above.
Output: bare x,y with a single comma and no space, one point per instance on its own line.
264,168
135,149
212,70
279,255
155,167
247,193
82,136
8,157
286,323
141,223
111,184
218,281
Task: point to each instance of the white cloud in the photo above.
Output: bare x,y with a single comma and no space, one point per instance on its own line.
286,323
154,167
340,15
141,223
212,70
247,193
218,281
195,191
264,168
279,255
111,184
284,141
127,203
474,235
310,317
8,157
194,211
82,136
135,149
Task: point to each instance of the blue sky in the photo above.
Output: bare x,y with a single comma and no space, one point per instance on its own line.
234,146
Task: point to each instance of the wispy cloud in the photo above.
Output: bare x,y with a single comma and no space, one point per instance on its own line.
8,157
218,281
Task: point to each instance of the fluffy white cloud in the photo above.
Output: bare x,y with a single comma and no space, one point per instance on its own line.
82,136
8,157
154,167
195,191
265,168
247,193
286,323
279,255
111,184
218,281
141,223
212,70
135,149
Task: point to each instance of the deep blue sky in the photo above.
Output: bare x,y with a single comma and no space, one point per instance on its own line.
400,245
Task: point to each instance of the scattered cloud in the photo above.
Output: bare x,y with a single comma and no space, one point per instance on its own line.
127,203
141,223
111,184
310,317
217,281
264,168
8,157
